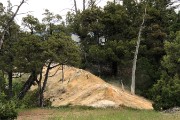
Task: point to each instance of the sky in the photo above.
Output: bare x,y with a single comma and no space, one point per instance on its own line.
37,7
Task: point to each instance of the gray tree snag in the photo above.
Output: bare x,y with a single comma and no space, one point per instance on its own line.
62,73
75,5
136,54
122,85
84,5
9,22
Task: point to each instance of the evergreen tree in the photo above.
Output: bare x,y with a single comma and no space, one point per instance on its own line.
166,92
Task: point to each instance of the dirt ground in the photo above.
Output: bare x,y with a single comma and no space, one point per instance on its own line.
80,87
36,114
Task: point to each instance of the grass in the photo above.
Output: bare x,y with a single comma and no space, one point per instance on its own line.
82,113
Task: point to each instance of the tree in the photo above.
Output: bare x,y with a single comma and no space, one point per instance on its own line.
156,30
166,92
117,25
50,20
59,50
8,22
136,53
92,4
84,5
97,55
29,59
31,23
7,53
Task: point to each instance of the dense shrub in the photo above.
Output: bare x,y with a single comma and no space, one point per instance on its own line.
30,100
2,82
166,93
8,109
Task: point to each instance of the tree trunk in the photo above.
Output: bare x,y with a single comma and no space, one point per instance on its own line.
135,55
62,73
99,68
32,78
114,68
75,5
39,87
10,84
122,85
84,5
44,84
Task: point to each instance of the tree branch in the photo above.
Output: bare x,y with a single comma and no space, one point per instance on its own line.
55,72
54,66
9,22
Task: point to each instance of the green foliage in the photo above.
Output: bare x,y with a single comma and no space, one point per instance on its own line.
8,109
50,42
2,82
172,59
30,100
146,75
117,23
7,52
61,49
166,93
96,53
31,23
29,53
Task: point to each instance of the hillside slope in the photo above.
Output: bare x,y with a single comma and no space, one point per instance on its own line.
83,88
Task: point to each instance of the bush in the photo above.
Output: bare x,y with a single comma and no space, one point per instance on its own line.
31,100
8,109
2,82
166,93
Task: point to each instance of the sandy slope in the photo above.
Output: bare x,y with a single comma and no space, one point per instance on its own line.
83,88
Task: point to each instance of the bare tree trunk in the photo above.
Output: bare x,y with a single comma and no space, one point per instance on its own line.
84,5
75,5
44,83
9,22
62,73
136,54
39,87
122,85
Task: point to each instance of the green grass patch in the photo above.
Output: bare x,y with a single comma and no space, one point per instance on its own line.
83,113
